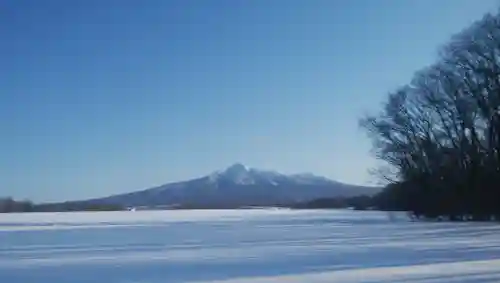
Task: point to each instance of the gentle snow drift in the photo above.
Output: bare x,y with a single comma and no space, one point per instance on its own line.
240,246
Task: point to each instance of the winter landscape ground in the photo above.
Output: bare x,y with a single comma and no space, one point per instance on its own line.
239,246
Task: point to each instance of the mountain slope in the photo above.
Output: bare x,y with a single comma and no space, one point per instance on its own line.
239,185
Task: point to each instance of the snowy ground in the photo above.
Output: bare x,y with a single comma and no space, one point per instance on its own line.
244,246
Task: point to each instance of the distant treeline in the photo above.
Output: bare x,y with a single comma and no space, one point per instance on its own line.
8,205
358,203
387,200
439,135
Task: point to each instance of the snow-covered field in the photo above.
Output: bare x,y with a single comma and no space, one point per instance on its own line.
240,246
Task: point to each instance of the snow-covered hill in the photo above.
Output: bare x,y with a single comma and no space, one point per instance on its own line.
240,174
240,185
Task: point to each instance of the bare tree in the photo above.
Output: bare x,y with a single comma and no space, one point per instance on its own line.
440,134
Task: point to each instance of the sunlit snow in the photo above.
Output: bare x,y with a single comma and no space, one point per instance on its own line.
240,246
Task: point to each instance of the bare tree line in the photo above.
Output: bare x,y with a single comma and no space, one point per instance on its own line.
439,135
8,205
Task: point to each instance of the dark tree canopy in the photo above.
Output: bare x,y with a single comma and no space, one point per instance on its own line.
439,135
8,205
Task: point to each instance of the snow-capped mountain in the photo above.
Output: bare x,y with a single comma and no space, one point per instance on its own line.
244,175
240,185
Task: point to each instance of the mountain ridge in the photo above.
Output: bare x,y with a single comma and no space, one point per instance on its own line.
239,185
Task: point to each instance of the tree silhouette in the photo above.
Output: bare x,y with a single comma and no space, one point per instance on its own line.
440,133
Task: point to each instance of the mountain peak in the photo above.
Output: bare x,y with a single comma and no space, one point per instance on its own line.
236,172
237,167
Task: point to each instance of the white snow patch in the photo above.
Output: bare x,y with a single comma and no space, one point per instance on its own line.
240,246
470,271
245,175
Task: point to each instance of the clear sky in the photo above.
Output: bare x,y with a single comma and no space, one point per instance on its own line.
106,96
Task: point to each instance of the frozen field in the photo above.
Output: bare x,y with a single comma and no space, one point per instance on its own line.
240,246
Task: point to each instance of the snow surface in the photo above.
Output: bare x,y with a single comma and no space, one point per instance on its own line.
243,246
244,175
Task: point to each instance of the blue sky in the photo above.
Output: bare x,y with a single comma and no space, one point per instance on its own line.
102,97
